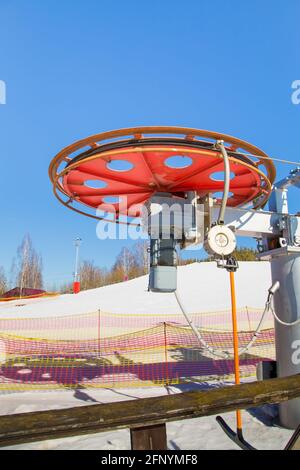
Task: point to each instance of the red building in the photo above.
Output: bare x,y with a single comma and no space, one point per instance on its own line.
24,292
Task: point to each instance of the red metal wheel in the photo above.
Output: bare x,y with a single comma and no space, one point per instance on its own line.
120,170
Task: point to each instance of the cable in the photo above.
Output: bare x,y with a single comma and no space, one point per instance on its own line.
226,354
263,157
294,323
257,331
268,308
220,145
214,352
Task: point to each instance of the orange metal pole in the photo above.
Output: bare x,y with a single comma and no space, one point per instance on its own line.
235,346
76,287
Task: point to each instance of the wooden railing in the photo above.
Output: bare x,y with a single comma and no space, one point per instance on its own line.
145,413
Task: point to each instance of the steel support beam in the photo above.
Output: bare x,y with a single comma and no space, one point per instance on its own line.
253,223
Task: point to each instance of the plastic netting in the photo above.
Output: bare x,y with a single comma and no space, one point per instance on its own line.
102,349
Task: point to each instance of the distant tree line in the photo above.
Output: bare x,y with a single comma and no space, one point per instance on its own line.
134,262
241,254
27,267
130,263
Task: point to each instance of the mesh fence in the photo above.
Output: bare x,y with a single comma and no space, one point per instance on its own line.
101,349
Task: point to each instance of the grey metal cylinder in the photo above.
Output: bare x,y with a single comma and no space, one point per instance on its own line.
163,269
286,270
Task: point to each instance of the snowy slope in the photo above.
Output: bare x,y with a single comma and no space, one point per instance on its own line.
202,287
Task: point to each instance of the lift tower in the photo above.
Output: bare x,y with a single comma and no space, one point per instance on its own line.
152,173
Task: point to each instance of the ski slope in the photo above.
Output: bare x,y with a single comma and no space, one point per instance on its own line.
202,287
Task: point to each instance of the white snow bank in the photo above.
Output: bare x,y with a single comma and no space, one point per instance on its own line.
202,287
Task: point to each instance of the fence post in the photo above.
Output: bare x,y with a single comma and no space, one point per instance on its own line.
149,437
166,353
99,333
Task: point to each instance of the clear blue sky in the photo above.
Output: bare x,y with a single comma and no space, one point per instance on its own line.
74,68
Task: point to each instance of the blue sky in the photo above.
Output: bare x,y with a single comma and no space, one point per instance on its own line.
74,68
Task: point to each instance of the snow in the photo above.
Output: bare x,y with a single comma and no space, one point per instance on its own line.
202,288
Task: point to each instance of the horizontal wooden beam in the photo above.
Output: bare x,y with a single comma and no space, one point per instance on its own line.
52,424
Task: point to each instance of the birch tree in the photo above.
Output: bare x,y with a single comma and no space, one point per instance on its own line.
3,281
141,256
91,276
29,266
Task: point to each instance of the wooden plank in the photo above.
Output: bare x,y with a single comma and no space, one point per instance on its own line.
51,424
149,437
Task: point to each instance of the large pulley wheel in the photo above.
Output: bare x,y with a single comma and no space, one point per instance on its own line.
119,171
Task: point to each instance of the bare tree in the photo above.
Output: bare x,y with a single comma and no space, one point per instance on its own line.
13,274
66,288
3,281
184,261
29,273
129,263
91,276
124,266
141,256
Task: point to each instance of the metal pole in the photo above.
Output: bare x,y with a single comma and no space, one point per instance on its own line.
286,270
235,347
76,284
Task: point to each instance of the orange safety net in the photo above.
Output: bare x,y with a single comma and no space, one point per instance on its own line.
101,349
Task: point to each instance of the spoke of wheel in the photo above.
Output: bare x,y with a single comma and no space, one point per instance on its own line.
150,169
114,178
216,189
114,193
194,173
